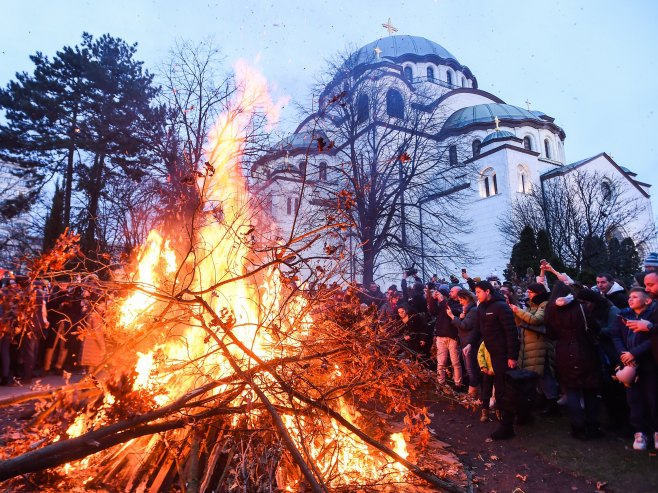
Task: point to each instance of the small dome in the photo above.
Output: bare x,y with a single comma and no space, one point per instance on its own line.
498,134
395,47
485,113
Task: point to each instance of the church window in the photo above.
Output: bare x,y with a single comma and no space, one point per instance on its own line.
394,104
362,108
430,74
289,206
408,74
322,172
488,183
547,148
302,168
296,204
527,143
449,77
476,147
524,180
452,155
606,190
463,82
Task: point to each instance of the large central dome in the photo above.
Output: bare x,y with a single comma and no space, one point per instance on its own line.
394,47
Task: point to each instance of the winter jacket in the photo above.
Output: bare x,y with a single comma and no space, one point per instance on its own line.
416,330
636,343
576,357
536,349
467,327
496,323
443,326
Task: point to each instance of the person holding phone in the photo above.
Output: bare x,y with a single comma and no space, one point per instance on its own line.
634,349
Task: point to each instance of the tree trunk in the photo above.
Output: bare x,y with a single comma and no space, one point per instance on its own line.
94,192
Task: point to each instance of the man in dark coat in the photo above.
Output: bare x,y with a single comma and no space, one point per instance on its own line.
606,285
498,330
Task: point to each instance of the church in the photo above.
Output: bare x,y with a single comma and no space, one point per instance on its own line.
410,98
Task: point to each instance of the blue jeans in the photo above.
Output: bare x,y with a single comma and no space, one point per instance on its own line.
587,416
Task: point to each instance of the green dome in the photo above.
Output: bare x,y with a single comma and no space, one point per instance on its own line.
485,113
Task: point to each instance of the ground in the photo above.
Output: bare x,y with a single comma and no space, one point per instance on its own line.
541,458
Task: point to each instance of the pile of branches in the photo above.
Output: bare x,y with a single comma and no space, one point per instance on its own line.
231,419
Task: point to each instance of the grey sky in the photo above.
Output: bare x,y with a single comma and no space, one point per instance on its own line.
589,64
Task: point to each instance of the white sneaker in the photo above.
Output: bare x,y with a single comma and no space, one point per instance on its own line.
640,442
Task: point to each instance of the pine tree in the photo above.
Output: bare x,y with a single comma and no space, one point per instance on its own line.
54,226
615,259
630,261
525,253
595,255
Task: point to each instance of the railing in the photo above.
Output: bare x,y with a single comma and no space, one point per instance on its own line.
434,80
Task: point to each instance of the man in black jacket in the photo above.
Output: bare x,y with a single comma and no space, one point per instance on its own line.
650,325
501,339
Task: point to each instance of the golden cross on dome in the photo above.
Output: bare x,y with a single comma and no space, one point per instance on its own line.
378,52
497,123
527,104
390,27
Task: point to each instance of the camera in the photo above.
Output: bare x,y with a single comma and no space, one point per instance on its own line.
411,271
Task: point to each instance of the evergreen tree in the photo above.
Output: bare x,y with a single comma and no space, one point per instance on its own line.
595,255
91,102
614,257
630,263
525,253
54,226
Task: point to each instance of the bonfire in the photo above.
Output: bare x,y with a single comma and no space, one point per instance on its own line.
227,374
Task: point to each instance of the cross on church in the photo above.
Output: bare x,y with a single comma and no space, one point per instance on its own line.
527,104
390,27
497,123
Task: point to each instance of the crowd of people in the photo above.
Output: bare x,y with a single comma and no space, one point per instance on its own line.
554,341
523,351
48,329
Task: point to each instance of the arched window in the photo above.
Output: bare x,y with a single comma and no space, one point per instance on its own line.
430,74
449,77
524,179
452,155
547,149
488,183
394,104
463,82
606,190
362,108
302,168
289,206
408,73
322,171
476,147
527,143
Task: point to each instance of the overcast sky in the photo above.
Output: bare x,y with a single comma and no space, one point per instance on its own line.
589,64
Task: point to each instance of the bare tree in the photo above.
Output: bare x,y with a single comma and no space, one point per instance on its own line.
576,206
396,178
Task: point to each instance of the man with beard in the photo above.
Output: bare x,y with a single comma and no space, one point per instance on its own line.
501,339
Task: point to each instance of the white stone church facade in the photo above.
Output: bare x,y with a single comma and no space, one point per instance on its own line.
509,149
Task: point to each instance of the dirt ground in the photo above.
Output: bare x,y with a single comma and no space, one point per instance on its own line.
541,457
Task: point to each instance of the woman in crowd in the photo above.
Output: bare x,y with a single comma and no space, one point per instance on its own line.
413,330
537,353
469,337
577,361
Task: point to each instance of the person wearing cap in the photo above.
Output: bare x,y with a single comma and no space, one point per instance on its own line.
499,333
536,352
651,263
634,349
445,334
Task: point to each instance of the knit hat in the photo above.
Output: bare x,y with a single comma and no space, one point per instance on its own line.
536,287
444,289
651,262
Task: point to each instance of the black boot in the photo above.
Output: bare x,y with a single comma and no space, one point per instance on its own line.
551,409
505,430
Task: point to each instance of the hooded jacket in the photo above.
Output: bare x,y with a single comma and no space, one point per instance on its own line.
535,349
